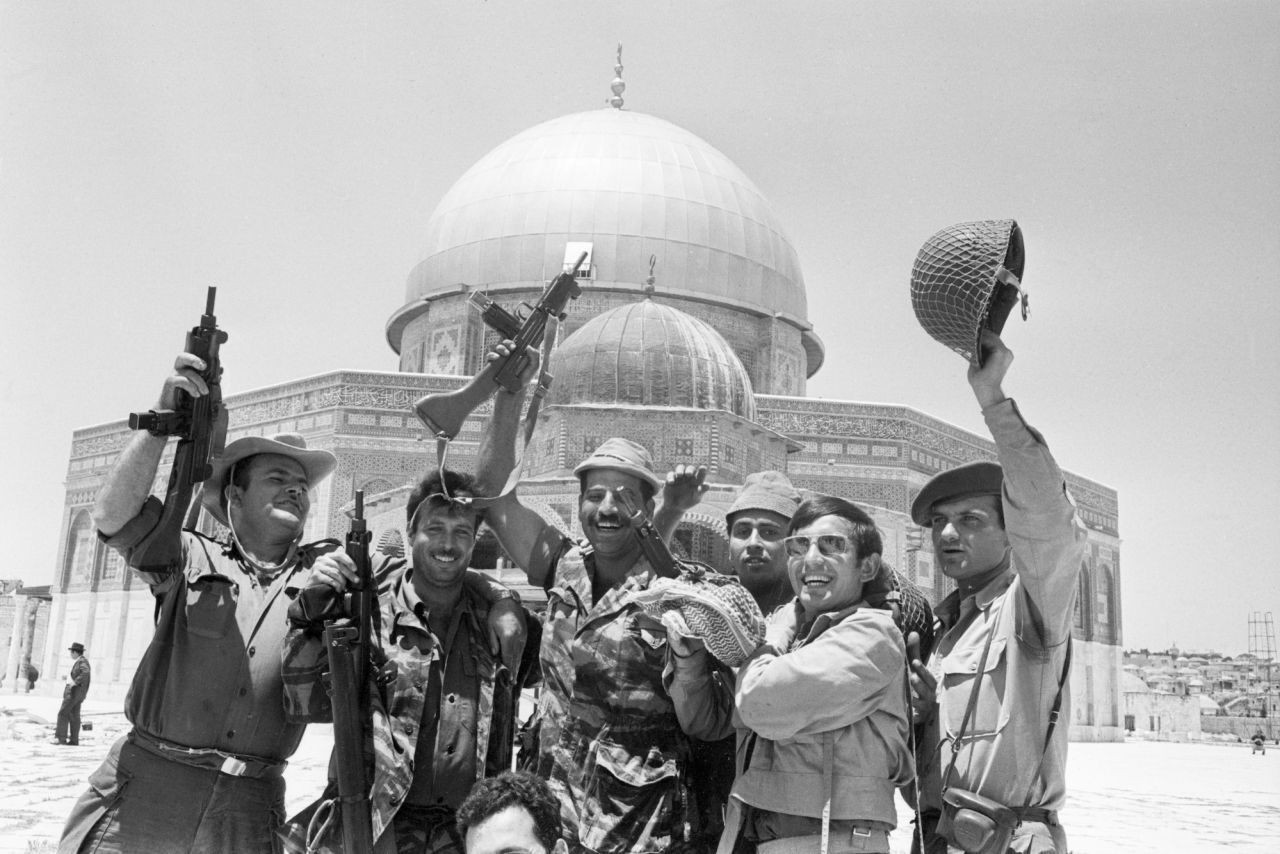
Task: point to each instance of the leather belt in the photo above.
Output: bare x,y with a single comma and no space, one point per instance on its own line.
209,758
1039,814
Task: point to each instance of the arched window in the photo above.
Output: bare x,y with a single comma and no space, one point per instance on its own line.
1084,605
112,565
1106,608
81,543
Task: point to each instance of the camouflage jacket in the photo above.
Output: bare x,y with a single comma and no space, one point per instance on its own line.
398,711
616,714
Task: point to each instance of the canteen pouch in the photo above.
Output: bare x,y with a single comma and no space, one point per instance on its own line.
975,824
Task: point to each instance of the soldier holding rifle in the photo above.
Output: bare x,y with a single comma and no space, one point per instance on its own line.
201,768
446,718
622,696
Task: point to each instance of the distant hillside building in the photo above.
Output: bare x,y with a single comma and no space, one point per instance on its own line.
691,336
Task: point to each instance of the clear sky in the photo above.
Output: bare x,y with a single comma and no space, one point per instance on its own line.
291,154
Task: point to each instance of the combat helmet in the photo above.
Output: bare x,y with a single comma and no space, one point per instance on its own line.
966,277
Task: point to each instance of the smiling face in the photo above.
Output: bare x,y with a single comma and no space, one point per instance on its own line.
832,582
273,502
969,540
603,522
441,540
756,551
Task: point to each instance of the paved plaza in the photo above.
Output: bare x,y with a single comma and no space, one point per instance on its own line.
1134,797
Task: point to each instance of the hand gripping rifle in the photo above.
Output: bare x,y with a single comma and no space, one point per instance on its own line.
656,552
200,423
354,652
444,413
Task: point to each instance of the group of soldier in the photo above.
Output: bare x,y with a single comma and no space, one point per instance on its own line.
646,736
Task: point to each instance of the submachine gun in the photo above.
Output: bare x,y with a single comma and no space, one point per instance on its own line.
354,651
445,412
200,423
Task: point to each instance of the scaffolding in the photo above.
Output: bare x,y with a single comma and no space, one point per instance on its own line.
1262,646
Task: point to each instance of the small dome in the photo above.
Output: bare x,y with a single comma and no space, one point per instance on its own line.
647,354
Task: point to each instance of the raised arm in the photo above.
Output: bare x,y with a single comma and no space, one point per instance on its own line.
129,482
683,490
1046,535
530,541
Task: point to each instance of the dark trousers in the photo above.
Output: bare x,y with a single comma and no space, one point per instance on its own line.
139,802
69,720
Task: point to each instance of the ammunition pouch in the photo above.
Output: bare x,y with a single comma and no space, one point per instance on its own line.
976,824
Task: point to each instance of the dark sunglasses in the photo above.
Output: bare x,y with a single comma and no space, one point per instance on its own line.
829,545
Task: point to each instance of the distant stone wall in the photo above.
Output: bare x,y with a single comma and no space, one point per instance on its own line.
1164,717
1243,727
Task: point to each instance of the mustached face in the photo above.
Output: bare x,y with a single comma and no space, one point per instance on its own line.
442,540
756,551
829,582
603,523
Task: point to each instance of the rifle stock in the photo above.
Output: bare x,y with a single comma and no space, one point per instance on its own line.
444,412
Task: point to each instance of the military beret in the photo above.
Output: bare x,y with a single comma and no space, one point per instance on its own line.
980,478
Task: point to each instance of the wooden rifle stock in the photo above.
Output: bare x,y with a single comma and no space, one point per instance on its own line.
351,642
445,412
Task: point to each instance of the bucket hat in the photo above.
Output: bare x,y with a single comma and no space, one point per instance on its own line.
317,463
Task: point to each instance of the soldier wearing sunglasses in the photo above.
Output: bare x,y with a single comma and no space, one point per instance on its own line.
824,699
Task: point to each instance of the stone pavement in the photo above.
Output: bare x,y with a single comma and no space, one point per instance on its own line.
40,781
1129,797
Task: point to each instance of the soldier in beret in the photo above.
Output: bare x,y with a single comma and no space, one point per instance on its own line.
1009,536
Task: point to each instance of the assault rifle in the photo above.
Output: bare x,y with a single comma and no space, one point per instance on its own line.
656,552
445,412
354,652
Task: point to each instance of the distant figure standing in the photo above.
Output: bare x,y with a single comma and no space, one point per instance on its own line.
72,697
1259,743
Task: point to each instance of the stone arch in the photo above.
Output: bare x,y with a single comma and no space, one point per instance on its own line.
82,543
376,486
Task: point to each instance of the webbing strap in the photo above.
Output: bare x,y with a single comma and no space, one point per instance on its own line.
530,423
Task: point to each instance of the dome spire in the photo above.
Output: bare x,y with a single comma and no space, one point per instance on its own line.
617,85
651,278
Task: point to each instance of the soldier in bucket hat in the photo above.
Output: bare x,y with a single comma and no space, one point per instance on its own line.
622,694
201,767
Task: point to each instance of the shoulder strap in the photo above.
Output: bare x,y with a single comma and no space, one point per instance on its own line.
968,712
1053,722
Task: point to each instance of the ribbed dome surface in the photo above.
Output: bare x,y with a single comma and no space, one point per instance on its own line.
649,354
633,185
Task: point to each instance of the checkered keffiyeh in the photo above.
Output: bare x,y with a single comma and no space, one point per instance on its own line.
957,283
713,608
